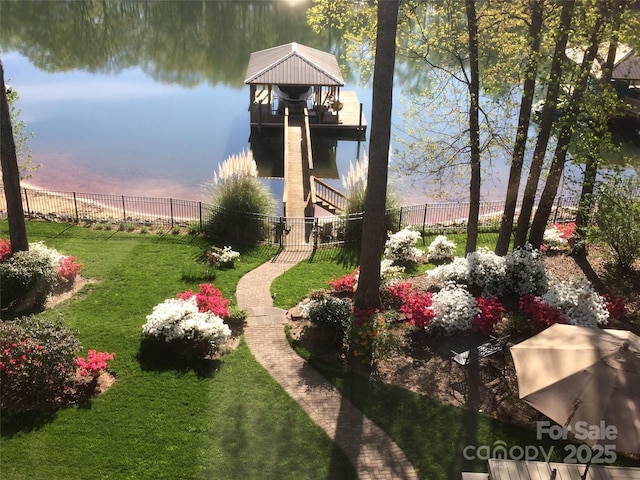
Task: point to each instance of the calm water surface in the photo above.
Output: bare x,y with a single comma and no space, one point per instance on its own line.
147,98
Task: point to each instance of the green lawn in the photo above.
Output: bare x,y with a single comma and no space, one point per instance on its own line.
161,419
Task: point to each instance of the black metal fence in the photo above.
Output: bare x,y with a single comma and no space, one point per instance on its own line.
88,208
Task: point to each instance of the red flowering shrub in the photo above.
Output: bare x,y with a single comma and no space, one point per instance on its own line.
615,306
346,283
417,308
491,311
208,299
395,294
36,362
68,268
566,229
5,249
540,314
94,364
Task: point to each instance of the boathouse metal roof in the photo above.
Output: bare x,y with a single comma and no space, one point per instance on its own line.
293,64
627,68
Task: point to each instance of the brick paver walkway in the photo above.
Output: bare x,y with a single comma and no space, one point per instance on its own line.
373,453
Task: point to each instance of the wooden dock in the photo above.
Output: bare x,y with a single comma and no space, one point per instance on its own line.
349,120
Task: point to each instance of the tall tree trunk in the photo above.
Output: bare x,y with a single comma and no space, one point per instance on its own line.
367,294
546,124
524,119
564,138
11,175
474,128
592,163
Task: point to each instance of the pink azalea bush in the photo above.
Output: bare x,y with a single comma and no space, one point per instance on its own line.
95,363
208,299
346,283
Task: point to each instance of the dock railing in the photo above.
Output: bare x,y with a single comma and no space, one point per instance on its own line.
90,209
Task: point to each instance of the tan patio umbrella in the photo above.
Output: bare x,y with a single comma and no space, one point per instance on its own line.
578,374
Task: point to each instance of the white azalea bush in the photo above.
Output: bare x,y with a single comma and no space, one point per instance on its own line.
27,278
400,247
190,324
487,271
525,271
520,272
578,301
441,250
224,256
454,309
390,272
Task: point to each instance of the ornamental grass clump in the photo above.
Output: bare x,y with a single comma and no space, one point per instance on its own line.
240,199
190,325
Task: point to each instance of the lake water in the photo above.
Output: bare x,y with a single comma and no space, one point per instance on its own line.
147,98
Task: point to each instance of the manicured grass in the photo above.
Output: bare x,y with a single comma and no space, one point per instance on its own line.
161,419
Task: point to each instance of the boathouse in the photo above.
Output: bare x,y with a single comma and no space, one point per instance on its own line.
296,77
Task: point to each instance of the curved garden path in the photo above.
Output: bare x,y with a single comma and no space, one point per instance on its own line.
369,448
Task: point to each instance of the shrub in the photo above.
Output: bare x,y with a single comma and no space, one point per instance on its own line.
389,271
27,278
208,299
417,307
400,247
37,357
329,312
95,364
487,271
371,337
68,269
5,249
525,272
457,271
242,198
441,250
181,325
395,295
224,256
578,301
618,219
540,314
490,314
558,235
345,284
454,308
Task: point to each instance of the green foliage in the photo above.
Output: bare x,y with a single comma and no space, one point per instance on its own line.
26,279
21,137
37,357
618,220
332,313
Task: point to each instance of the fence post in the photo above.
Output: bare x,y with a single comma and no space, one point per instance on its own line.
424,224
124,211
400,220
316,233
555,214
200,215
26,200
75,206
171,210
